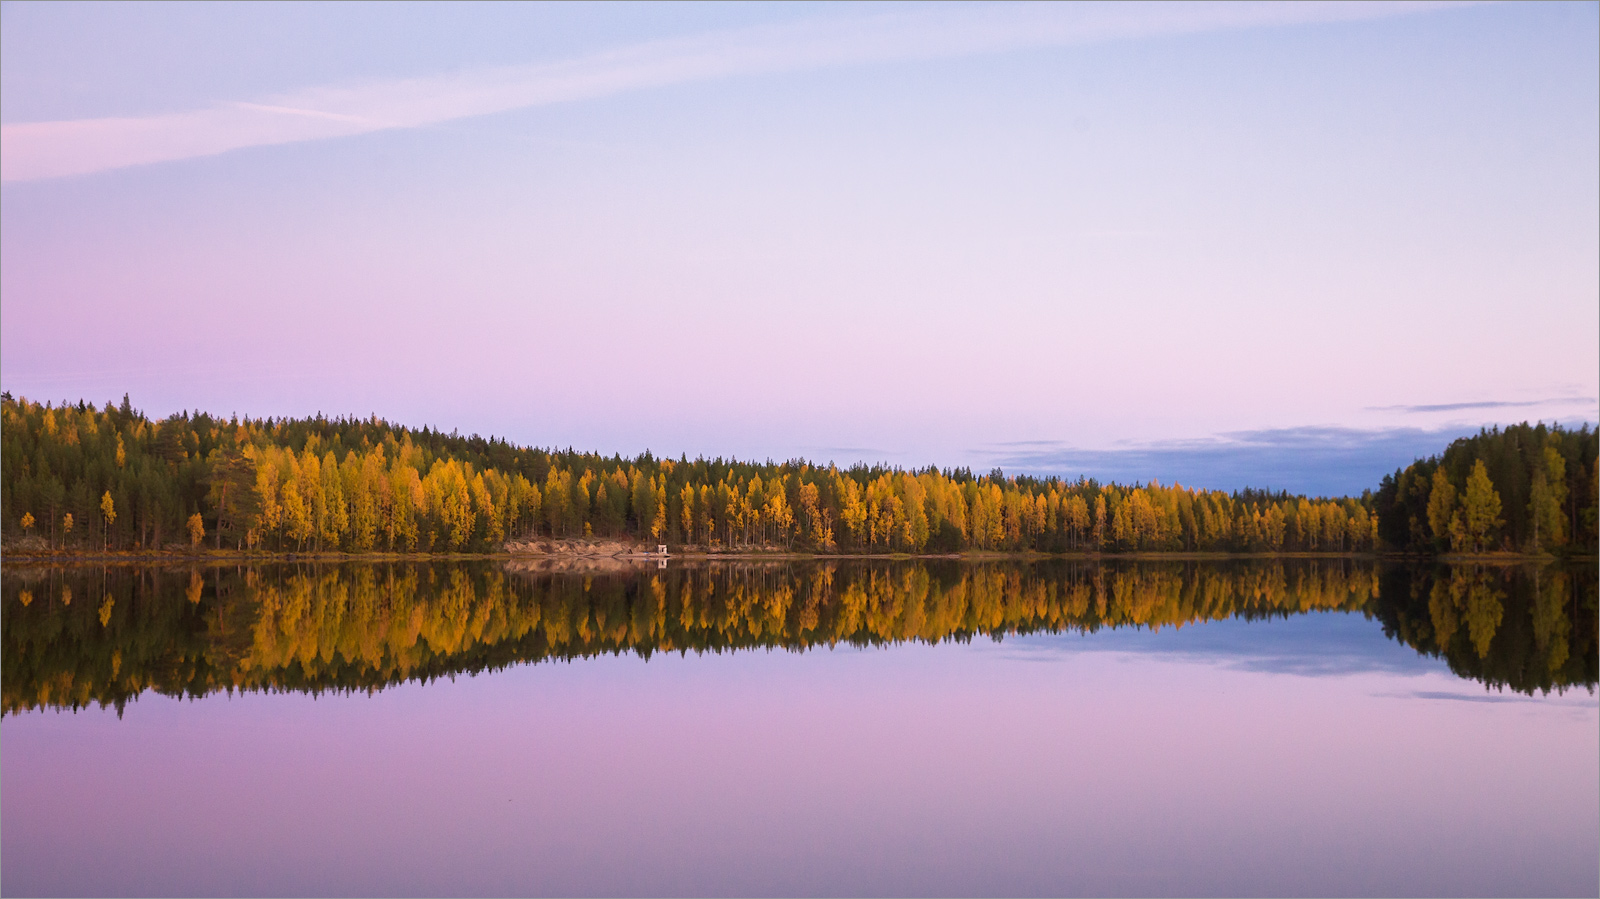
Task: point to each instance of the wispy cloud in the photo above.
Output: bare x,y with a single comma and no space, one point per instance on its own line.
36,150
1470,697
850,455
1490,404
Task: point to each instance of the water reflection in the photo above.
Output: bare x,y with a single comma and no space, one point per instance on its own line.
1525,628
79,636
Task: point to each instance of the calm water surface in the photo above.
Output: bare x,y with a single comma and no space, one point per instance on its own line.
864,728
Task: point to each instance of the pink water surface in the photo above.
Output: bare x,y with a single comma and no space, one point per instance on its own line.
1028,767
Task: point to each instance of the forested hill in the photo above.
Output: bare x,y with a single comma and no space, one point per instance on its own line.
1527,487
81,478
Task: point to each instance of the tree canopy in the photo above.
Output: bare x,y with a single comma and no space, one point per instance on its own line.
1528,488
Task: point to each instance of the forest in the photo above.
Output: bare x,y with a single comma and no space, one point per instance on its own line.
1527,488
80,479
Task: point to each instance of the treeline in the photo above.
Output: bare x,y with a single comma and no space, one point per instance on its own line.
1525,488
82,477
78,636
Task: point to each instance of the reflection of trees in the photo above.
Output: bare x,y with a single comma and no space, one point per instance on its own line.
1530,629
1470,595
358,626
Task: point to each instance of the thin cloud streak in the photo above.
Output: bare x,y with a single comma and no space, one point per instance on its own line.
1490,404
313,113
1466,697
32,151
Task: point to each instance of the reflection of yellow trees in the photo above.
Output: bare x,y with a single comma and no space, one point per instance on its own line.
396,621
1484,611
1442,610
326,621
1529,628
1468,595
365,626
1551,625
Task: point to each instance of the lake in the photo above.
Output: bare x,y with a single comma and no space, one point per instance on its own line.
855,727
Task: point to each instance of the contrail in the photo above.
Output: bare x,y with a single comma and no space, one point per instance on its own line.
31,151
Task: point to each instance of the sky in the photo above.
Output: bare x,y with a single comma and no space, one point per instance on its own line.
1285,246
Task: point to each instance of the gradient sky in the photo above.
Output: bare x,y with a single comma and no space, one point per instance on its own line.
1284,245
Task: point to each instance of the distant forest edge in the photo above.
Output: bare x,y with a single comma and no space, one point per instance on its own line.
76,478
